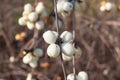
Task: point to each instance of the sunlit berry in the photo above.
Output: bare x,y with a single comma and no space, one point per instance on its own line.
40,8
68,49
82,75
53,50
28,7
39,25
66,36
22,21
30,25
49,37
33,16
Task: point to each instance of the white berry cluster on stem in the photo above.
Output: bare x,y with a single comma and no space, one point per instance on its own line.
66,46
32,58
31,17
82,75
106,6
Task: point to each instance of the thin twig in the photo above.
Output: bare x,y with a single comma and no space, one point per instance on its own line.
57,27
73,28
56,16
8,43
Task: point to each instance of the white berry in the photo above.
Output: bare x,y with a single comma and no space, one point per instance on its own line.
30,25
108,6
12,59
27,58
53,50
49,37
102,8
78,52
38,52
22,21
33,16
82,75
40,8
65,14
39,25
33,63
68,6
66,36
68,49
28,7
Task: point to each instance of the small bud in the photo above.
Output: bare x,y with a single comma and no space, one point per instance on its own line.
68,49
49,37
82,75
18,37
38,52
78,52
12,59
39,25
65,14
33,16
53,50
45,65
30,25
25,15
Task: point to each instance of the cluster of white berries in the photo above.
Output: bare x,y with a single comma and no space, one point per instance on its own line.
31,17
66,47
32,58
64,7
82,75
106,6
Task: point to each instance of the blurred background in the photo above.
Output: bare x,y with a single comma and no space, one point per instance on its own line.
97,34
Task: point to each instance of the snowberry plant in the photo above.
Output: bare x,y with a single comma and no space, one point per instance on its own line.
31,17
61,44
